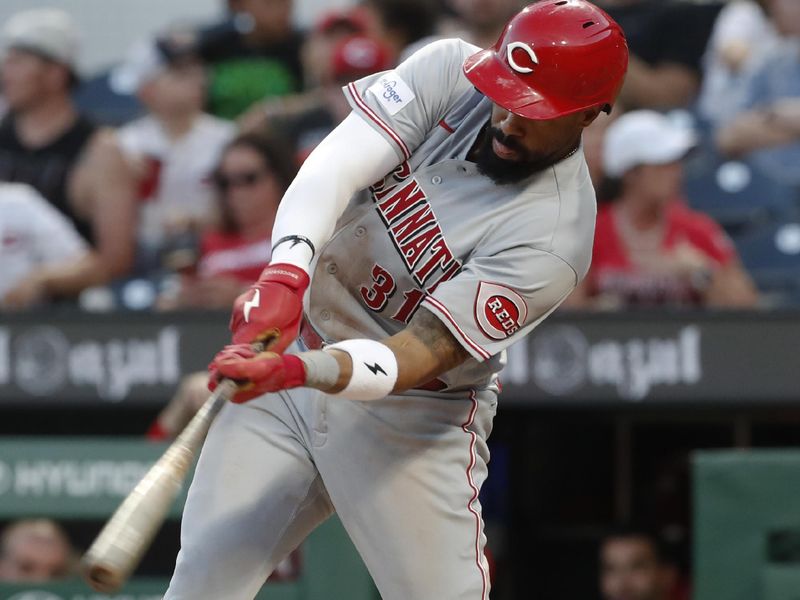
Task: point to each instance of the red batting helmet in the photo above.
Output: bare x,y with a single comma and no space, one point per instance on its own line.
554,58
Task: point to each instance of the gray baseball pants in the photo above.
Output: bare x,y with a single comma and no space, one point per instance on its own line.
403,474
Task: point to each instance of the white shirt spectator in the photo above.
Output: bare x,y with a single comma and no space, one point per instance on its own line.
33,234
743,37
175,186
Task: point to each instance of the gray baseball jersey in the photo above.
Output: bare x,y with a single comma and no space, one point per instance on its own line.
404,472
491,261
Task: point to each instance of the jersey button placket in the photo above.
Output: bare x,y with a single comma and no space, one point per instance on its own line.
360,231
436,180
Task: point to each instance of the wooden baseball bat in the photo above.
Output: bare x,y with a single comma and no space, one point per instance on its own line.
119,547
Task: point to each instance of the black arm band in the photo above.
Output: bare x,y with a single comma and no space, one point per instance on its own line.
295,239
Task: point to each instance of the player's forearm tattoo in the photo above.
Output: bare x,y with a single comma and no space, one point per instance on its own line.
430,330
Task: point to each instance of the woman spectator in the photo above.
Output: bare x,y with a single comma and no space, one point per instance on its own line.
650,248
252,176
250,180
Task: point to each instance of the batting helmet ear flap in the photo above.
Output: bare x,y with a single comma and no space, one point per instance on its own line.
553,58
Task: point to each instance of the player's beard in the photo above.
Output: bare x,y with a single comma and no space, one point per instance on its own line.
503,171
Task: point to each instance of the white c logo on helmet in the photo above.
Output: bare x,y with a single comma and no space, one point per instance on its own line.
523,46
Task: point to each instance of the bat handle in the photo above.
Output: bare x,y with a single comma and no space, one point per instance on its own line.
120,545
195,432
198,426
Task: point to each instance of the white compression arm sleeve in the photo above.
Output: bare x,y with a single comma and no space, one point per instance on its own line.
352,157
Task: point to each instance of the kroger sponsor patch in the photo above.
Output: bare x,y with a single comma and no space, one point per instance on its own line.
392,92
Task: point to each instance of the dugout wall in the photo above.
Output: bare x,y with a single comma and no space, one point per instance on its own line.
747,525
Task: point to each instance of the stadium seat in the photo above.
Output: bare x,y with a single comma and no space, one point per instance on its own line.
735,193
96,99
771,254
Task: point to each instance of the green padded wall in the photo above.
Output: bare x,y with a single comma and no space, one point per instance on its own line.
87,478
747,525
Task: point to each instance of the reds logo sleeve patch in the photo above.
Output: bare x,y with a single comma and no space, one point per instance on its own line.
499,311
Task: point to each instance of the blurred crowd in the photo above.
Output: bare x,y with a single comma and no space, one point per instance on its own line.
154,185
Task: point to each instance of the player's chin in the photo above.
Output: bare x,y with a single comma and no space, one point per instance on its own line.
505,172
500,170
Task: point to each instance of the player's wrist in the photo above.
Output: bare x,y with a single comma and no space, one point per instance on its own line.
374,369
370,373
294,371
287,274
322,370
295,250
272,309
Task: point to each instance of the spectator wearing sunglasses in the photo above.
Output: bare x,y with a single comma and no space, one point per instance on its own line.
252,176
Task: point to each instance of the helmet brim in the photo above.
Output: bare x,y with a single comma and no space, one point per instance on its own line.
494,79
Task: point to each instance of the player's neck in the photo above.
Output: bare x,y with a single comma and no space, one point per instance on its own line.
571,151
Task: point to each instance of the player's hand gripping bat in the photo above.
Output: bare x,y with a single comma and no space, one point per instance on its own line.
119,547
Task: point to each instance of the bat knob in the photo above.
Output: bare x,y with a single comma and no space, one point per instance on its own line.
102,579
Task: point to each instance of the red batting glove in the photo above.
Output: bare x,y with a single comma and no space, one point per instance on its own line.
272,309
256,374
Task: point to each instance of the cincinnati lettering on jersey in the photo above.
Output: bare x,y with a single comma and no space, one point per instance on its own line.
414,230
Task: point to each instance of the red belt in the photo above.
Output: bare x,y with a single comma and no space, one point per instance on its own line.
309,337
312,340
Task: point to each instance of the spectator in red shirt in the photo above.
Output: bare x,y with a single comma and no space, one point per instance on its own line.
650,248
253,174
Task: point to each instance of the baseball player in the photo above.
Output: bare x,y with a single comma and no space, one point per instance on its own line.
446,217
